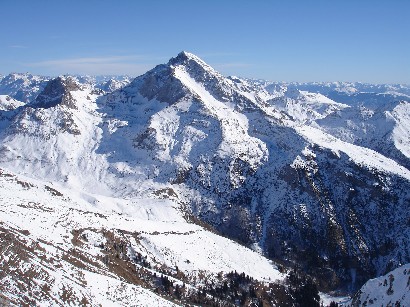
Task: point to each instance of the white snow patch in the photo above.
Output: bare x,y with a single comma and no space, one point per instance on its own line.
360,155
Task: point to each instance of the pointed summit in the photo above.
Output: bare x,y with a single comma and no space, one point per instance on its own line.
57,91
191,62
164,83
185,56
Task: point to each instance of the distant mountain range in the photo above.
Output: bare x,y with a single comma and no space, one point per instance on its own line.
183,186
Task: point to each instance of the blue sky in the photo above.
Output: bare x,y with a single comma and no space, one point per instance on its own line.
310,40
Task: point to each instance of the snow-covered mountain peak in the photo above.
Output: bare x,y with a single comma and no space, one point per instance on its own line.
185,108
7,103
197,68
185,57
292,93
22,86
170,82
57,91
163,83
21,77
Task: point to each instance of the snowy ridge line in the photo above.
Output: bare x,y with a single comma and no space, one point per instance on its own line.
392,289
234,141
361,155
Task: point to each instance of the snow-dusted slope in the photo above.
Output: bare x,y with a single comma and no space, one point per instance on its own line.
7,103
305,107
58,243
392,289
40,258
372,116
383,128
22,87
360,155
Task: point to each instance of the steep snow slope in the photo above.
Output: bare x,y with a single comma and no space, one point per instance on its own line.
392,289
401,131
67,242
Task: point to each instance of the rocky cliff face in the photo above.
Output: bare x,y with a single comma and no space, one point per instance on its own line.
58,92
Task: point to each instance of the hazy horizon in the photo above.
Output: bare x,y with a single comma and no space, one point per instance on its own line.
292,41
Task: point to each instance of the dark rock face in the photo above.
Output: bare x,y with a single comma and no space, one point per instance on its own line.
344,219
57,91
52,105
340,222
159,84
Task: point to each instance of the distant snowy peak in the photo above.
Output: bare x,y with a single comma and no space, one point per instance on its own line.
58,109
8,103
106,83
351,93
25,78
303,106
113,84
189,59
57,91
22,87
25,87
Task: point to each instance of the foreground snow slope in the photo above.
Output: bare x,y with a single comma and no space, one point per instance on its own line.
64,241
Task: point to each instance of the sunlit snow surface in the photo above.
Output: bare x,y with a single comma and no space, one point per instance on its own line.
392,289
164,237
133,161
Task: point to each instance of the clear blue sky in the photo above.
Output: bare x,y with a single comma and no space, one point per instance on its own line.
311,40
